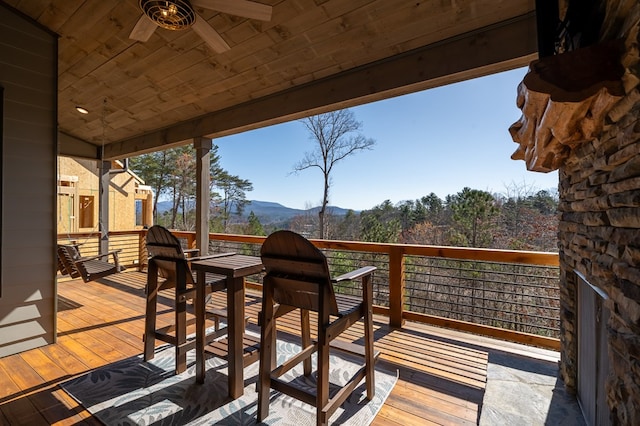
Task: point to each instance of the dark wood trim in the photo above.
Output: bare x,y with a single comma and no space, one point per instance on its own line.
493,49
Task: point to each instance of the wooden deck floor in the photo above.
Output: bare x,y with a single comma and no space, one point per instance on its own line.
442,373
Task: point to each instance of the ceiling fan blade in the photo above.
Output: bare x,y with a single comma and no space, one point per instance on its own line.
244,8
209,35
143,29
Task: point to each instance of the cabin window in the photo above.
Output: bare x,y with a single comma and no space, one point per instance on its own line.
139,213
86,211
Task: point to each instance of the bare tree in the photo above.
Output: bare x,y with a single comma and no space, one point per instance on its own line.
336,137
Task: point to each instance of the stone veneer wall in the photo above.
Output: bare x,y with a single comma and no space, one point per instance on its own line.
599,231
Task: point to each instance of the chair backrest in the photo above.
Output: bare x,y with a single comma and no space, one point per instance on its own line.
298,272
161,245
67,253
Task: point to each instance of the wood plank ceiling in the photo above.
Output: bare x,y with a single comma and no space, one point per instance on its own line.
312,56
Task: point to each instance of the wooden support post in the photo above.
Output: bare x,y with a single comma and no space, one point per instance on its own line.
396,286
103,205
202,147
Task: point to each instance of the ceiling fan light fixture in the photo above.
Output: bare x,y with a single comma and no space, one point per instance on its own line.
169,14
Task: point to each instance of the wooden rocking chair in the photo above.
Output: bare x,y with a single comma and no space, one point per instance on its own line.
90,268
298,277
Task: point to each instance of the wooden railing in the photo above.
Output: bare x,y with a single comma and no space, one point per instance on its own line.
488,285
131,244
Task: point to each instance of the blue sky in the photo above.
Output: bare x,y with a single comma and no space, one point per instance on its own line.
439,140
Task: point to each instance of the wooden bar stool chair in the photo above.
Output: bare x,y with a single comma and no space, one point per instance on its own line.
297,276
167,260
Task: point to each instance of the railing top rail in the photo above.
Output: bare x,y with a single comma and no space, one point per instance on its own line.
463,253
460,253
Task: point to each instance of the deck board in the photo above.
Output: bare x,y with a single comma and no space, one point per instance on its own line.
442,373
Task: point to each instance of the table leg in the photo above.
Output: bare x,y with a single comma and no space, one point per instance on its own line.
200,326
235,310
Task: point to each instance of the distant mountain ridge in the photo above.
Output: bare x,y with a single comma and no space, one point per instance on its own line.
270,212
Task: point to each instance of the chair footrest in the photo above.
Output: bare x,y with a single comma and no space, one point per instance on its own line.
163,335
187,345
172,328
187,294
221,314
352,348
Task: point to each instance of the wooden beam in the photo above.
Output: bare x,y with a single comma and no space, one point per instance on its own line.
493,49
70,146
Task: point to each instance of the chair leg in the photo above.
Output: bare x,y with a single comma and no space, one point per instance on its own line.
322,396
367,287
369,355
267,349
150,312
181,319
305,328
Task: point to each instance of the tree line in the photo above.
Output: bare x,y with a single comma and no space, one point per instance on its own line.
521,219
171,175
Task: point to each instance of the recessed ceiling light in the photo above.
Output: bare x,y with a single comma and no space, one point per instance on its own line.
82,110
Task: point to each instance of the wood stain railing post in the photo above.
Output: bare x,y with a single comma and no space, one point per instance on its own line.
142,250
396,286
191,240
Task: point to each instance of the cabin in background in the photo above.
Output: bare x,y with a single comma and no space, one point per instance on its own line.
130,200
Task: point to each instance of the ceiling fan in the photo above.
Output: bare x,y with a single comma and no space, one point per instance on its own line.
179,15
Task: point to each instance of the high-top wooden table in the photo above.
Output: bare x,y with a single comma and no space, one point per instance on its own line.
235,267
